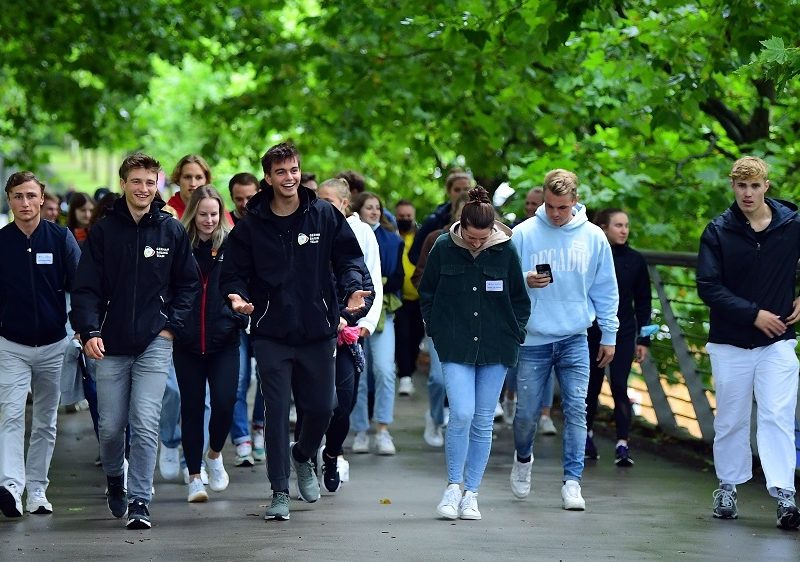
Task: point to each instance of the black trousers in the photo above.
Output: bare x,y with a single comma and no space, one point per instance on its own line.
618,370
309,371
408,333
345,401
221,370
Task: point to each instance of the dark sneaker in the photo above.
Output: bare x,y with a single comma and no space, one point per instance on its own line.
10,502
788,514
307,481
623,456
330,474
591,451
725,502
138,515
279,508
117,497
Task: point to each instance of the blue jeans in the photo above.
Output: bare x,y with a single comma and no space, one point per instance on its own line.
473,392
570,359
436,392
130,388
379,349
549,389
240,429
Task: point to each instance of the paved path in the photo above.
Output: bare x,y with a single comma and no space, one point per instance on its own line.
657,510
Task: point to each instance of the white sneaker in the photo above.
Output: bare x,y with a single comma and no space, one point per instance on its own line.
498,411
509,409
343,465
406,386
521,478
197,491
37,502
546,426
259,448
169,463
448,507
244,454
433,432
468,508
361,442
571,498
203,474
384,443
292,414
10,501
217,477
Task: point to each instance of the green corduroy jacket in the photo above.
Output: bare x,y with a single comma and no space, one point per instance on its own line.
474,309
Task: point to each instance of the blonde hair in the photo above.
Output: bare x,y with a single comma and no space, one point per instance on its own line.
341,188
456,174
749,167
190,159
222,229
561,182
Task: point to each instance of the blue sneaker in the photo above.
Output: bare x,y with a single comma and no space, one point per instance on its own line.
623,457
590,452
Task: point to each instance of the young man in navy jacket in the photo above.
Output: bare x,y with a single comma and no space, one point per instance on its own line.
284,261
136,283
746,272
38,267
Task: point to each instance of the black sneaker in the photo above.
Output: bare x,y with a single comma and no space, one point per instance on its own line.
725,502
117,496
590,452
330,474
788,514
623,456
138,515
10,503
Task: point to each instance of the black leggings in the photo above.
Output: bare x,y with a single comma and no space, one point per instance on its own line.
345,400
221,369
619,369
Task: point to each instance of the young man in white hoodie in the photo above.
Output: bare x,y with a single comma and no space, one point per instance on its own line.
570,277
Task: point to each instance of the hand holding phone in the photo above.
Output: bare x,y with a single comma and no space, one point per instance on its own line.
544,269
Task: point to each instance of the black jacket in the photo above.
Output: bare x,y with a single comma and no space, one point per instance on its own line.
740,272
283,267
633,282
35,274
211,325
437,220
133,280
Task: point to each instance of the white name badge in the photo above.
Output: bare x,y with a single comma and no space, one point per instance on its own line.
44,259
494,285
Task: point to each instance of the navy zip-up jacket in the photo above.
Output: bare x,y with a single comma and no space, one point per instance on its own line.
740,272
35,274
283,267
133,280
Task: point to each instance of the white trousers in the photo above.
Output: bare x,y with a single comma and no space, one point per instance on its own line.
771,374
21,368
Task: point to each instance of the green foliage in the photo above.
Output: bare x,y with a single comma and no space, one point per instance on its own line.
649,101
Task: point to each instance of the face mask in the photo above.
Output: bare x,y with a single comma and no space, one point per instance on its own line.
404,225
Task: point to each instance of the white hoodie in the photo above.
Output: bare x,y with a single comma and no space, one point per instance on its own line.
369,246
584,284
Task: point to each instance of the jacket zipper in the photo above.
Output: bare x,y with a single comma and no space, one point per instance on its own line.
263,315
105,315
326,312
33,286
135,283
203,295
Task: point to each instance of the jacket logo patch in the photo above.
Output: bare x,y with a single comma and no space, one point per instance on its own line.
162,252
302,238
149,252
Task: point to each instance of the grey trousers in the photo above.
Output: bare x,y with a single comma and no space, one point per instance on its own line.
38,368
129,390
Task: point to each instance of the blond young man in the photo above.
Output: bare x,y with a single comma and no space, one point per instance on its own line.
746,276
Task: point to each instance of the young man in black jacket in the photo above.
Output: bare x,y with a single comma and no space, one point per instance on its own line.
136,284
282,260
746,275
38,267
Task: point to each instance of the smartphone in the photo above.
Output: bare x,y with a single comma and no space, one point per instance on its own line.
544,269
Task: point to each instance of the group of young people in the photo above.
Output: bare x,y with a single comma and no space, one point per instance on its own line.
307,276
